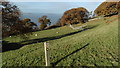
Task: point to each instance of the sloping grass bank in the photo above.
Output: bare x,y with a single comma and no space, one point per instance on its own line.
97,46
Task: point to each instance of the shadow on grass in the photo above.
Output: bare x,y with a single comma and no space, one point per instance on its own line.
6,46
55,63
27,42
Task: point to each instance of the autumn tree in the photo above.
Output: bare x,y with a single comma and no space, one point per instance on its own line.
23,26
107,8
44,21
10,15
74,16
29,23
11,23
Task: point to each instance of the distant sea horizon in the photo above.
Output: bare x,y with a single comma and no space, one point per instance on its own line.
35,16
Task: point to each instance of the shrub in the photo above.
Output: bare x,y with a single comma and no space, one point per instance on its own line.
42,26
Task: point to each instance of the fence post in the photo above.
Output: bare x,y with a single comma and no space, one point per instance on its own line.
47,55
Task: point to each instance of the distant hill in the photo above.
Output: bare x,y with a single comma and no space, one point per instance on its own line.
34,16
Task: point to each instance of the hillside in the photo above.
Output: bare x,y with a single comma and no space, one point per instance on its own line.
96,45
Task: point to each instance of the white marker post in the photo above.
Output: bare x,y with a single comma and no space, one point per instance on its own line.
47,55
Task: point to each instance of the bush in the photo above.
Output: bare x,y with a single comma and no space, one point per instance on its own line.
42,26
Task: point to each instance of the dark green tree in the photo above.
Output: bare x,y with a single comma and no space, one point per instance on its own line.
11,23
10,15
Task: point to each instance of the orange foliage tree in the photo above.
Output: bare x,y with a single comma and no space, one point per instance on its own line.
74,16
43,22
107,8
23,26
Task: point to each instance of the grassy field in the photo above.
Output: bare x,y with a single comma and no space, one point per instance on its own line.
96,45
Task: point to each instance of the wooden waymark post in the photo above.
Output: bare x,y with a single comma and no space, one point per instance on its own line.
47,55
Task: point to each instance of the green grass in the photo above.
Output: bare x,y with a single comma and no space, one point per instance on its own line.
101,51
